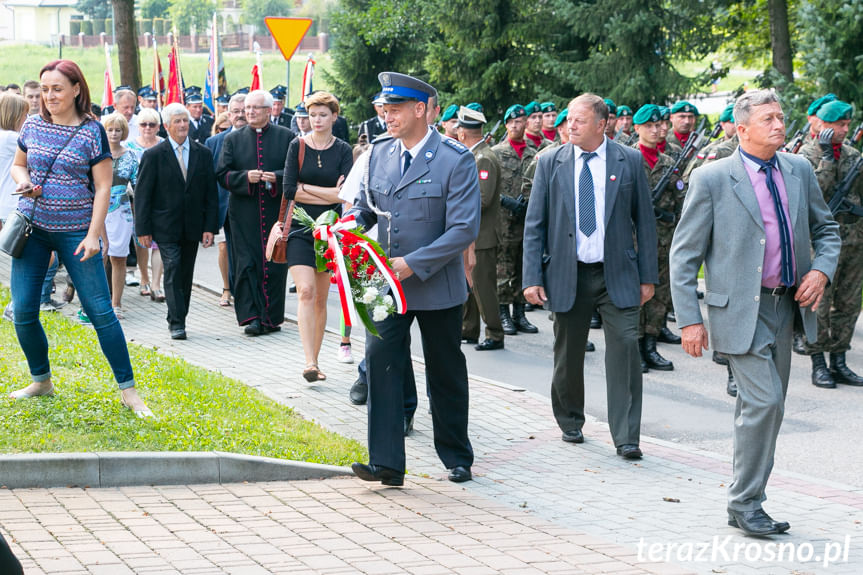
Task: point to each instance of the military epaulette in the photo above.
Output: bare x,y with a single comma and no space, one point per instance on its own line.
385,137
455,145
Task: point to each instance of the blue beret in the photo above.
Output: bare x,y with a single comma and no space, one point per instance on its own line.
814,106
647,113
727,114
449,113
835,111
397,88
514,111
561,118
684,107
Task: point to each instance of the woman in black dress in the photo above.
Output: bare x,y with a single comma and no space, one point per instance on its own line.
315,188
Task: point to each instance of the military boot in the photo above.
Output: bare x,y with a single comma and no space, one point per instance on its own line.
841,372
520,321
820,374
731,386
644,368
652,357
506,320
668,336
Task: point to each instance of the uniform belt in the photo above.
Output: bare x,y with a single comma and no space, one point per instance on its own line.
590,265
781,290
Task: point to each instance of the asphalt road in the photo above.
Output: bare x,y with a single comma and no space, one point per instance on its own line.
688,405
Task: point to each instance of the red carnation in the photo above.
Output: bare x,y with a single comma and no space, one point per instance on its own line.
355,251
329,254
331,266
370,271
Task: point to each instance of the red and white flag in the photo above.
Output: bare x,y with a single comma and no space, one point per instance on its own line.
108,90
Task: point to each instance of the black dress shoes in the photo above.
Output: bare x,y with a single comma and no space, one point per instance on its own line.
731,386
595,320
799,343
409,425
719,359
385,475
178,333
589,346
756,522
460,474
488,345
270,328
254,328
628,451
573,436
667,336
359,393
469,340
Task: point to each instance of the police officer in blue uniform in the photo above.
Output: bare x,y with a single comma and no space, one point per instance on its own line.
422,190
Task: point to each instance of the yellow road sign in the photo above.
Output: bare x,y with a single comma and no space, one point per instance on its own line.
288,33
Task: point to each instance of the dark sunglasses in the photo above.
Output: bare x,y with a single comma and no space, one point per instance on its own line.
148,125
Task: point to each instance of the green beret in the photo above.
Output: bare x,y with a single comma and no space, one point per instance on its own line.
612,109
560,118
684,107
475,106
532,108
666,113
835,111
647,113
814,106
449,113
624,111
514,111
727,114
547,107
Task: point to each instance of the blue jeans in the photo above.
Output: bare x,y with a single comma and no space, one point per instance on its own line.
47,285
28,273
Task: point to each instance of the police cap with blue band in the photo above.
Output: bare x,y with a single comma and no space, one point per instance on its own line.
147,93
397,88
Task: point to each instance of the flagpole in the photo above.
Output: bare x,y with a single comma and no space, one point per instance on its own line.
154,83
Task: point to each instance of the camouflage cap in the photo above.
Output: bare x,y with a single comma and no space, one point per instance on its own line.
727,114
514,111
449,113
561,118
624,111
647,113
684,107
814,106
835,111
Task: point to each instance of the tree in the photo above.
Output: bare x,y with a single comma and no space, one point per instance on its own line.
155,8
831,46
254,12
187,14
780,38
94,8
754,29
127,43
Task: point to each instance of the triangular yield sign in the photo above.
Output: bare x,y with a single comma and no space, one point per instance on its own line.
288,33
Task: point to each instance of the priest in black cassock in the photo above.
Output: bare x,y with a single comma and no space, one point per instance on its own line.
250,168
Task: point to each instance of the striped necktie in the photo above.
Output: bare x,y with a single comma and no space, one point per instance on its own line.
586,201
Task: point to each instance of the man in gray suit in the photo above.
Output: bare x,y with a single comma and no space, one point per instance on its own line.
590,202
423,192
752,219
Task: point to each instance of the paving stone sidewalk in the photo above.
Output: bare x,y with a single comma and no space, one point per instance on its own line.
578,499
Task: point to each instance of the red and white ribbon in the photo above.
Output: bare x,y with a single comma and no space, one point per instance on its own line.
332,234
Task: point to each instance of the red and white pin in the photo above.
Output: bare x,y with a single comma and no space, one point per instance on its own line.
483,174
612,177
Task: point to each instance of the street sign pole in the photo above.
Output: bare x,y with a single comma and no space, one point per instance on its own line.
288,33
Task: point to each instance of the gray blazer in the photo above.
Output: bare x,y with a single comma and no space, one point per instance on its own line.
435,212
721,226
550,255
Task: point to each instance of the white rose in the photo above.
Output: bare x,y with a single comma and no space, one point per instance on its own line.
369,295
380,313
388,300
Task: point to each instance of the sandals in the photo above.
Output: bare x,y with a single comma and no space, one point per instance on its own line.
158,295
144,413
225,301
312,373
145,290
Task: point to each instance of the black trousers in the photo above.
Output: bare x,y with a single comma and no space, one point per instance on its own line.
622,359
179,261
9,564
387,361
410,386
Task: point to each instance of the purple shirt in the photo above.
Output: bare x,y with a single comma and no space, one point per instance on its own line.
771,270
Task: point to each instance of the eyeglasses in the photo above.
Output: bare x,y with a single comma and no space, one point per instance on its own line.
147,124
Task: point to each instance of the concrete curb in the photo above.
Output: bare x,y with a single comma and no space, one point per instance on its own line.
117,469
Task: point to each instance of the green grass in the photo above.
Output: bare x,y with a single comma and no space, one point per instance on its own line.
736,77
22,62
198,410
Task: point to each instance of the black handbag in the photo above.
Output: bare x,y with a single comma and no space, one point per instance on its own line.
18,227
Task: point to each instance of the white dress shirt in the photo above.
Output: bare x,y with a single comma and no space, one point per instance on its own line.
592,249
415,151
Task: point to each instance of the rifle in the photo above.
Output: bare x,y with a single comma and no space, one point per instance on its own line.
793,146
790,129
857,136
717,129
693,144
839,202
489,137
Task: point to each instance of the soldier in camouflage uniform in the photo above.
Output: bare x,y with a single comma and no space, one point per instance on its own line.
625,135
449,122
728,143
533,127
664,146
840,306
647,123
549,116
683,118
514,155
611,126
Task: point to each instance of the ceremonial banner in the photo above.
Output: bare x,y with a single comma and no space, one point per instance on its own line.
215,84
308,74
108,90
175,77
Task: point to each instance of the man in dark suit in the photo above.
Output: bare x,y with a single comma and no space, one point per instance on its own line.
758,222
177,205
427,188
279,116
201,125
589,201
